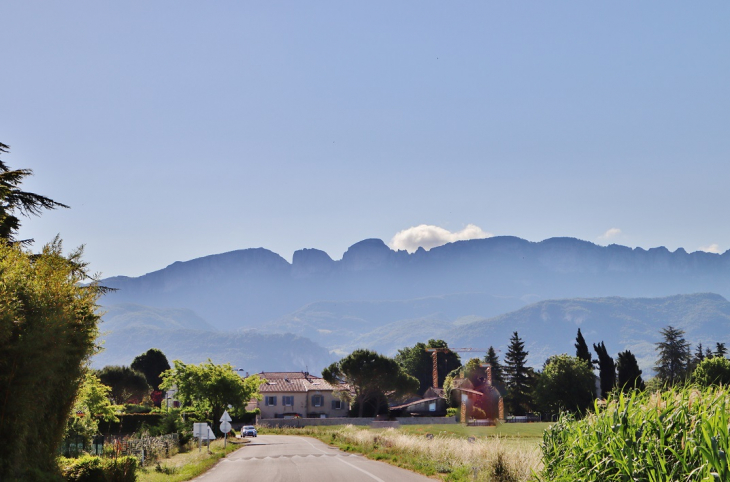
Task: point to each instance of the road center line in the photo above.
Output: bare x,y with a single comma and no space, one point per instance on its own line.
345,462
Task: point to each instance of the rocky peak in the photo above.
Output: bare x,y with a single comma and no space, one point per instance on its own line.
311,261
367,254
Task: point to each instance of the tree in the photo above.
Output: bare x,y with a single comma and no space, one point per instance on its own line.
15,202
517,377
209,388
712,371
126,385
48,325
629,374
565,384
720,350
581,348
698,356
151,364
606,369
497,368
92,403
370,375
674,355
418,363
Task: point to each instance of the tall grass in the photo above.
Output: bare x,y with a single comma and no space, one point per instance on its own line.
676,435
454,459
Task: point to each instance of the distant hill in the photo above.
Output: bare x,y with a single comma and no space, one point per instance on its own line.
345,325
129,315
256,288
550,327
129,330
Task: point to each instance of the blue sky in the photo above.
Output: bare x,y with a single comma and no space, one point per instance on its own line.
178,129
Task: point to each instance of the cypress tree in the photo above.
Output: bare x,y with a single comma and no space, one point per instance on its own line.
606,369
581,348
629,374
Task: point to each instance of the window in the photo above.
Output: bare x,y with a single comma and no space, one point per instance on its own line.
432,407
287,401
336,404
270,401
317,400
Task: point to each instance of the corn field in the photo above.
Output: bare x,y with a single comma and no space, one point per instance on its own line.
675,435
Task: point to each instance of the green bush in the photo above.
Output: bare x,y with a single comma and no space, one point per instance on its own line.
712,371
452,412
48,324
136,408
90,468
679,434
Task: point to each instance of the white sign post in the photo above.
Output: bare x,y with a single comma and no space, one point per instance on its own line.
198,430
225,427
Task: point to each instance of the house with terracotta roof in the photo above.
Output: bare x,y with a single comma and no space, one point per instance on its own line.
299,395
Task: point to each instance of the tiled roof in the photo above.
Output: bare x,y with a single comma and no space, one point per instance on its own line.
282,375
300,384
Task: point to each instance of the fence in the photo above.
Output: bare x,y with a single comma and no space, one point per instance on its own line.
146,448
522,419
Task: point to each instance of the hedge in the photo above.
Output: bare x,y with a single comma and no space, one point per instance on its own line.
90,468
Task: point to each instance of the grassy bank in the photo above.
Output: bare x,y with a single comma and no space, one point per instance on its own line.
450,452
189,464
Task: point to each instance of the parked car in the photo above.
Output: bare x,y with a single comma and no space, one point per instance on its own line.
248,431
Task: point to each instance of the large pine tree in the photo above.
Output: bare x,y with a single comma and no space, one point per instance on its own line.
674,356
517,377
14,202
497,368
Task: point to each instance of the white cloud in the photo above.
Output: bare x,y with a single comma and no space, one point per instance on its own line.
429,236
713,248
610,234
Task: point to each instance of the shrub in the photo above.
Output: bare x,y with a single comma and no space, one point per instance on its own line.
452,412
48,324
712,371
680,434
90,468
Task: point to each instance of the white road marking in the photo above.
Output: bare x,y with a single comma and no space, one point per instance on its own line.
347,463
361,470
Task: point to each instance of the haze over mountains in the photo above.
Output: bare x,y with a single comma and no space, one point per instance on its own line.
470,293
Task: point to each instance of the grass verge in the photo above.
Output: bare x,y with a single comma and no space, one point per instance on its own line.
446,454
187,465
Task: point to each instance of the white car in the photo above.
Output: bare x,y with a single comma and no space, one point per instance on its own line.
248,431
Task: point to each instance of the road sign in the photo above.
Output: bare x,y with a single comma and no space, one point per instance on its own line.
203,431
226,417
225,426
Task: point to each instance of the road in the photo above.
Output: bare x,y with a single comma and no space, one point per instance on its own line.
288,458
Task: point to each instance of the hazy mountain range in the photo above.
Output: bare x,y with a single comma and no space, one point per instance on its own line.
471,293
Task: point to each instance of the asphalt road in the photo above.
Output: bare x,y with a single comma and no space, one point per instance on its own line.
287,458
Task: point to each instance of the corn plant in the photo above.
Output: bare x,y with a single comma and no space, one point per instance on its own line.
677,435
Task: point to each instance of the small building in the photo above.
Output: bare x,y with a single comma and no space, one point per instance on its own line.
433,404
299,395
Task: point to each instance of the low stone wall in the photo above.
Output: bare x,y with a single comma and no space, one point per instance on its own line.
426,420
308,422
